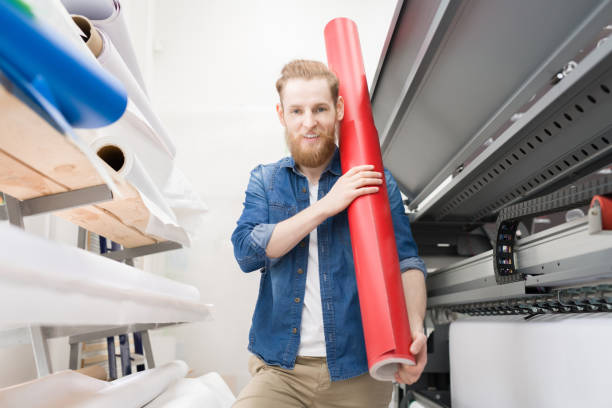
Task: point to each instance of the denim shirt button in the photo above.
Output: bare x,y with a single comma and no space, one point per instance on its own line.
302,244
297,300
303,189
300,271
294,331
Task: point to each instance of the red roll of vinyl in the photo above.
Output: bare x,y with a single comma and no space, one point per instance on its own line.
605,206
381,296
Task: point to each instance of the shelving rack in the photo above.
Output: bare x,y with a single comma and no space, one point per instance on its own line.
42,171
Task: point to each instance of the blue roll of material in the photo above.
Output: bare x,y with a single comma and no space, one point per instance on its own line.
85,94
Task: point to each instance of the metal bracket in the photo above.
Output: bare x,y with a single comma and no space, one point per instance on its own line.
130,253
80,334
66,200
13,211
41,351
594,217
3,210
17,209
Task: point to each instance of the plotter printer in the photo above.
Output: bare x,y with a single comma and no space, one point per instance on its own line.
495,117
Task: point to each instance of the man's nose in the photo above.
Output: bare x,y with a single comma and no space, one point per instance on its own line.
309,120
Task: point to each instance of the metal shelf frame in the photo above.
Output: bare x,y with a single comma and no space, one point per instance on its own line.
37,336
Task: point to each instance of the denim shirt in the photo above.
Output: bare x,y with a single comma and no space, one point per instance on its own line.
277,192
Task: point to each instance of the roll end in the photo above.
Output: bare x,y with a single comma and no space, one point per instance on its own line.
113,156
385,369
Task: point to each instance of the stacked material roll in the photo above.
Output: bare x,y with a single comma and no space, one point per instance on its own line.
208,391
86,95
63,285
381,296
111,60
69,389
142,150
108,16
57,79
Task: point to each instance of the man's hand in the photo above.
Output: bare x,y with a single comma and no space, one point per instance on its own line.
356,182
408,374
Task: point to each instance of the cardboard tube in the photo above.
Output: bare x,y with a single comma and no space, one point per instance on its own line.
381,296
92,39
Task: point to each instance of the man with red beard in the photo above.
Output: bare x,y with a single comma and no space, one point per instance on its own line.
307,337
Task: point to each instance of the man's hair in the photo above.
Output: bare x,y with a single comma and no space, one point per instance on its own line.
308,69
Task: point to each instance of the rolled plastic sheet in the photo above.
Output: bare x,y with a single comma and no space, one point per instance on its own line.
108,16
605,209
381,296
185,202
135,390
118,153
69,389
110,59
66,285
52,258
134,132
208,391
83,92
55,390
548,361
93,9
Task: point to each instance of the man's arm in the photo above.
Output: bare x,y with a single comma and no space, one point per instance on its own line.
252,227
351,185
413,282
415,293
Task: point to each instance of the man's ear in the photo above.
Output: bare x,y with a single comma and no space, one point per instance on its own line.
280,113
340,108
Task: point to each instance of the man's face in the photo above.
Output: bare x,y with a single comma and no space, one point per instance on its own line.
309,116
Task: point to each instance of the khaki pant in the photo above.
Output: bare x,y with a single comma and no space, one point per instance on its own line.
308,385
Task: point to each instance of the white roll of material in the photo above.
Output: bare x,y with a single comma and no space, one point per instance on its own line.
93,10
69,389
108,16
131,135
140,132
111,60
117,151
135,390
208,391
24,252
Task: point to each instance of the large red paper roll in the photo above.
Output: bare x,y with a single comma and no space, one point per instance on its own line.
381,296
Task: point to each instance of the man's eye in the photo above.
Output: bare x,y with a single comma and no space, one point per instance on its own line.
295,111
321,109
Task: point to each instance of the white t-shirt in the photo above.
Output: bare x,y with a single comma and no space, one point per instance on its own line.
312,338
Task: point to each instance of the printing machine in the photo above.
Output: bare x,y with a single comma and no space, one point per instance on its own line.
495,117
